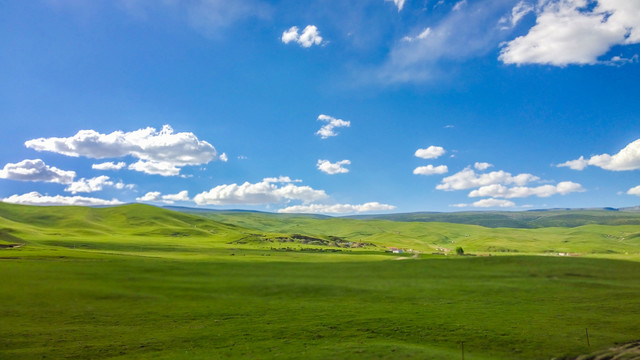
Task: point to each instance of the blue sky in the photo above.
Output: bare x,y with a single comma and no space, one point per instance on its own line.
321,106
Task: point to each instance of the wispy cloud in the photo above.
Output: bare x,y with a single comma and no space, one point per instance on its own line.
95,184
488,203
35,198
470,31
336,208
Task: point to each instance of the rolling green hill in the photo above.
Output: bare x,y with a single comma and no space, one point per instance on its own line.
522,219
137,281
116,228
531,219
433,236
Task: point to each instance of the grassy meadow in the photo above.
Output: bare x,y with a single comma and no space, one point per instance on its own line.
137,281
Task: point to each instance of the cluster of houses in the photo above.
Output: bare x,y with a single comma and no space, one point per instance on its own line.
396,250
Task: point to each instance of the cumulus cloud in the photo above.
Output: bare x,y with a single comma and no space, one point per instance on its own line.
336,208
35,198
109,166
36,170
493,203
467,179
626,159
309,36
171,198
501,191
268,191
332,123
432,152
577,164
634,191
430,170
94,184
159,152
482,166
156,196
150,196
575,32
333,168
155,168
224,157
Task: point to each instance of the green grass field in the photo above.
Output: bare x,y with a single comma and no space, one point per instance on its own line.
143,282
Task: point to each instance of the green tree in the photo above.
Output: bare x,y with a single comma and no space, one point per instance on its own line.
459,250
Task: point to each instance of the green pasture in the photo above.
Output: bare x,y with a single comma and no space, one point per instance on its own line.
142,282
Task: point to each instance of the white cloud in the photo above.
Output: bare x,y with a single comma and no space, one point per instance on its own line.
634,191
265,192
501,191
159,152
35,198
467,179
336,208
93,185
423,35
333,168
577,164
224,157
290,35
470,32
481,166
430,170
150,196
572,32
280,179
109,166
458,6
626,159
171,198
432,152
309,36
517,13
155,168
332,123
36,170
398,3
485,203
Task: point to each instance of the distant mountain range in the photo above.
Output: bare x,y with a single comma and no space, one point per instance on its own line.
529,219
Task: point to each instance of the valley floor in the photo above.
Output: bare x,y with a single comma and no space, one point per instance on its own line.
78,304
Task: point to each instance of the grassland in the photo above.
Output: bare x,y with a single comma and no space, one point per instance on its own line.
142,282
